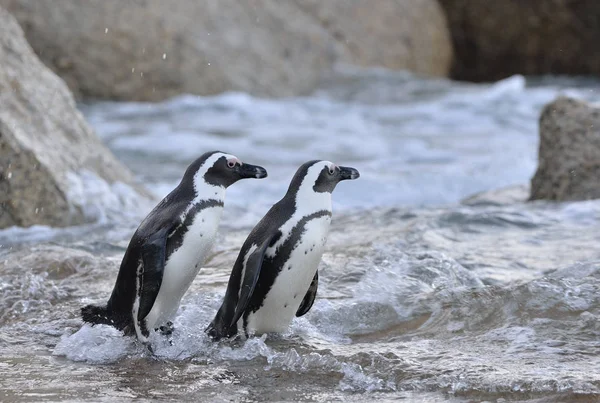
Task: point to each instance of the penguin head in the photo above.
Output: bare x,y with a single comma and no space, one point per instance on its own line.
322,176
217,168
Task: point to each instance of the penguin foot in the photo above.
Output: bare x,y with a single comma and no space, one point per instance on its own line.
149,347
167,329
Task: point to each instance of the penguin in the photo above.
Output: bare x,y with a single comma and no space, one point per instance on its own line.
169,247
275,275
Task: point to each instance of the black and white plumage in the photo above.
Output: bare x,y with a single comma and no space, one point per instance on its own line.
169,247
275,275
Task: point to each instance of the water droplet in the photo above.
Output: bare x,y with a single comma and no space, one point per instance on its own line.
142,74
164,56
106,30
36,210
9,175
209,64
133,69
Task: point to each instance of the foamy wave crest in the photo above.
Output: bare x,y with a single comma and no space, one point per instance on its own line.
102,201
100,344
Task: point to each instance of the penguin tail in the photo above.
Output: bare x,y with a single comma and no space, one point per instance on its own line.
96,315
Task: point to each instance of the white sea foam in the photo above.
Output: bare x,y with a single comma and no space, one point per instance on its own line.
422,152
101,201
408,312
100,344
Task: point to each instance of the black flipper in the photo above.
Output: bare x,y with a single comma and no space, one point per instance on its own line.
309,298
153,261
248,283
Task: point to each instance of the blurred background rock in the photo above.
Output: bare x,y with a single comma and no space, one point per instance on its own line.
153,49
45,143
496,39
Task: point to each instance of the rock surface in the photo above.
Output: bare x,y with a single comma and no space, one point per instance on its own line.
496,39
569,152
44,140
152,49
505,196
396,34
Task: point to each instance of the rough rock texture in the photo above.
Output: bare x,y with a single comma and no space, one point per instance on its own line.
154,49
569,153
44,140
496,39
505,196
397,34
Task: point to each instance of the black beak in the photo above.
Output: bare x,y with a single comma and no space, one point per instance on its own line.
251,171
348,173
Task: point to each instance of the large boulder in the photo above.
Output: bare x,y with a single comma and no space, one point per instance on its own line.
496,39
396,34
153,49
569,152
45,144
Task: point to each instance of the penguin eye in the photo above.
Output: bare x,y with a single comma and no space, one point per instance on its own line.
331,171
230,164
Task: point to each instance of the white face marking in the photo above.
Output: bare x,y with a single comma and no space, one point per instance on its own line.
307,202
233,161
205,190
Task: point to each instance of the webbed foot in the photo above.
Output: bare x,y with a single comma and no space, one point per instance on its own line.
167,329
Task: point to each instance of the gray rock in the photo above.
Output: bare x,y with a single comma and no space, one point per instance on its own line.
401,35
44,141
499,197
497,39
153,49
569,152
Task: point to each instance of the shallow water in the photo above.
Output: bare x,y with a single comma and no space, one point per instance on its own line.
421,298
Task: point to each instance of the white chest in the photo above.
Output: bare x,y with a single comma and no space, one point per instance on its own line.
291,284
184,263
